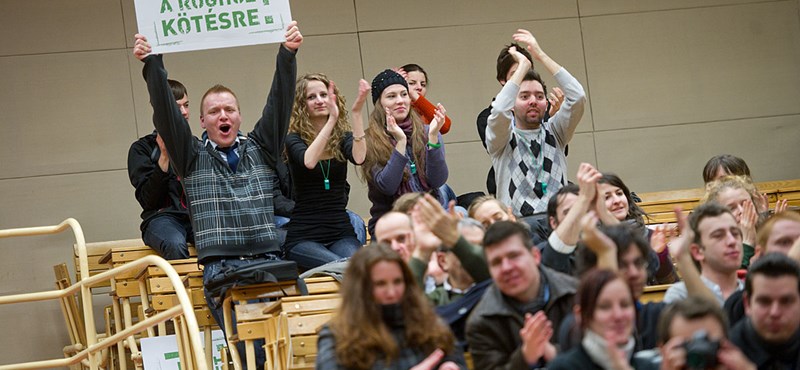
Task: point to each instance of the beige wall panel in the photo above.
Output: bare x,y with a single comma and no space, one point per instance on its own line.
314,17
581,149
337,56
359,202
324,17
73,113
693,65
460,62
599,7
104,204
664,158
47,26
467,163
385,15
250,76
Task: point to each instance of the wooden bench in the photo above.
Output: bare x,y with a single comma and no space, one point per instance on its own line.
262,320
660,205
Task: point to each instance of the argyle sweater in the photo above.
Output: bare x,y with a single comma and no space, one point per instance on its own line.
232,212
525,159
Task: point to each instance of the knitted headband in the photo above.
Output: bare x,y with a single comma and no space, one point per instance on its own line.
385,79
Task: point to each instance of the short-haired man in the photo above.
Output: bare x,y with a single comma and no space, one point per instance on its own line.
230,179
679,324
487,210
717,248
770,334
166,226
512,325
527,152
506,65
396,230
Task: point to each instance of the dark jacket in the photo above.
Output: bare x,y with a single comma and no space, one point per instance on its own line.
493,328
158,193
578,359
766,356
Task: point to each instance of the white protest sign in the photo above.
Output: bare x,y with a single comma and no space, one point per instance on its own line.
161,353
183,25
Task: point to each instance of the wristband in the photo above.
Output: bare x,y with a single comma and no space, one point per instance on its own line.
359,138
434,146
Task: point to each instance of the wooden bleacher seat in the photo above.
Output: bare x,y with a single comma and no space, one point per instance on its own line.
660,205
654,293
262,320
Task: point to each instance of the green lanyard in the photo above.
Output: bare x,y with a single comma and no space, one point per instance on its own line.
539,165
325,174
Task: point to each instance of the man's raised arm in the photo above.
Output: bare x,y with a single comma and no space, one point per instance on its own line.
167,117
270,130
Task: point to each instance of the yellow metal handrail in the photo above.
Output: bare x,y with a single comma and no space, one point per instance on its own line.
93,348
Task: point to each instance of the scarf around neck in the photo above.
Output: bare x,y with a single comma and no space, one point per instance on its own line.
597,349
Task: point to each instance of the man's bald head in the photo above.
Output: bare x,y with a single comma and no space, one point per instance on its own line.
396,230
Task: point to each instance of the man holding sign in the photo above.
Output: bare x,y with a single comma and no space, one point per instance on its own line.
230,179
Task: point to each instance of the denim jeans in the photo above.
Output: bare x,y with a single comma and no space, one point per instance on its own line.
168,236
358,226
214,268
310,254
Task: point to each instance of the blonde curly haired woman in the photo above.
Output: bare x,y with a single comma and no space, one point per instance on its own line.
319,145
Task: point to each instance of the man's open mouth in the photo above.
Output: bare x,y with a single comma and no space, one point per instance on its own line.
225,128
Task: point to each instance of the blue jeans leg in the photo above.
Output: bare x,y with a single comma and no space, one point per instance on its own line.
345,248
358,226
310,254
167,235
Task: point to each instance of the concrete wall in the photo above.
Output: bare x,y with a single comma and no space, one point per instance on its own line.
670,83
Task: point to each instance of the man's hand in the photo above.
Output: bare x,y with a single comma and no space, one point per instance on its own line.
429,363
163,159
732,358
363,90
535,335
141,48
587,178
781,205
556,98
682,244
444,225
526,37
524,63
293,37
599,243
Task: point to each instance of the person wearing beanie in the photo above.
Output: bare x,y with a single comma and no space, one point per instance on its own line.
404,154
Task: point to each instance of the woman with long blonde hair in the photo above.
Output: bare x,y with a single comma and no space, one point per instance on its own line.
403,153
385,321
319,145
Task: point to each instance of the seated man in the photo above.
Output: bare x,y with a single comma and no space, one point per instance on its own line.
511,326
506,65
717,247
166,226
527,152
770,334
487,210
680,323
777,235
